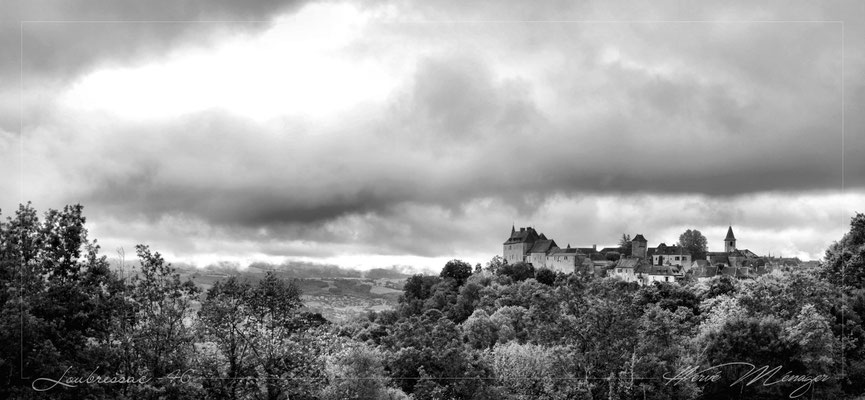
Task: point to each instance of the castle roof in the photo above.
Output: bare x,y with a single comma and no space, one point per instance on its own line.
730,234
639,238
524,235
567,251
543,246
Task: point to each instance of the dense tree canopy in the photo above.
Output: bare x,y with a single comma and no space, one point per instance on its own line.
518,271
844,263
457,270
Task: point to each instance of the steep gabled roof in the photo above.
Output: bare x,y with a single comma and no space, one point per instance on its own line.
564,252
543,246
639,238
671,250
700,264
718,257
524,235
736,253
707,271
630,262
735,271
663,270
730,234
748,253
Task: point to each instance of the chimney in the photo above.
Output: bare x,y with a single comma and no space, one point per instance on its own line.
595,247
522,229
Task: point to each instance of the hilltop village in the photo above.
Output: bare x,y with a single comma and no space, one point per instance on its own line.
638,262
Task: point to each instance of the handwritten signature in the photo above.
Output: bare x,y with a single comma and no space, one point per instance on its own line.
755,374
44,384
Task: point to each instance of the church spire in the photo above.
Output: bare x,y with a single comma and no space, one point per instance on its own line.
730,241
730,234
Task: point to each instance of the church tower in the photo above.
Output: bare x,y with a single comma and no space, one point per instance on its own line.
730,241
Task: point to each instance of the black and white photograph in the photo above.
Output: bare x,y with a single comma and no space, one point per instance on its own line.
432,199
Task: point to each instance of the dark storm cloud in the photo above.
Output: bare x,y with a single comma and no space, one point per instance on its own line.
513,114
426,149
60,40
65,37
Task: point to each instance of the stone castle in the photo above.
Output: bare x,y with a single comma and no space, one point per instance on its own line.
642,264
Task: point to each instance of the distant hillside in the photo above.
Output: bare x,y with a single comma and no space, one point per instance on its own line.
339,294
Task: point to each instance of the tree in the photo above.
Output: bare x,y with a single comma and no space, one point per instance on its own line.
478,331
162,339
357,372
58,302
495,263
225,319
519,271
625,245
524,370
695,243
844,262
759,341
260,337
425,353
457,270
285,344
419,287
546,276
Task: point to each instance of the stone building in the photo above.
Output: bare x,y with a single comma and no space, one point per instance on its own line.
731,256
529,246
671,255
644,264
565,260
629,269
638,246
517,247
537,255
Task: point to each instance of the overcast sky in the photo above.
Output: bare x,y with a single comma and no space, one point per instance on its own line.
384,133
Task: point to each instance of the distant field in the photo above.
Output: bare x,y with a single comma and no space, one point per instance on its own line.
344,299
383,290
336,298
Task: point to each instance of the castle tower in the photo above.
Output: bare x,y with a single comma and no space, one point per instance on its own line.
730,240
518,244
639,246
